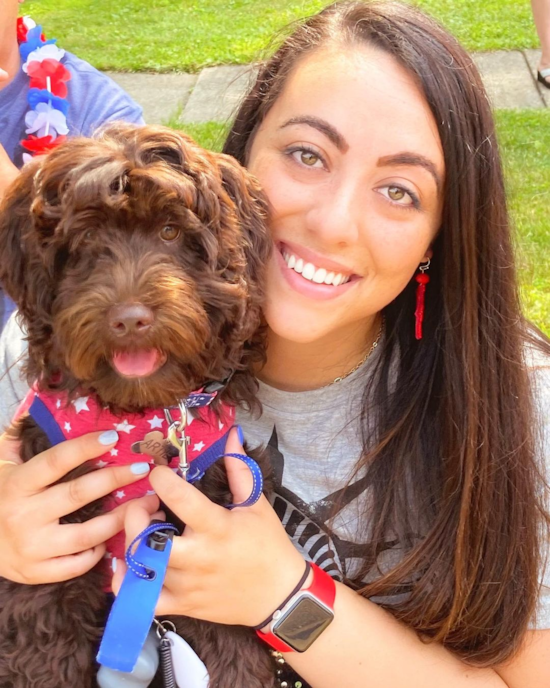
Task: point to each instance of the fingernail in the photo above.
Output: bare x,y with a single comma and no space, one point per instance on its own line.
240,434
140,468
113,564
108,437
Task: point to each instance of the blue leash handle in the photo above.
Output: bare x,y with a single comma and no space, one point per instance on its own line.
133,610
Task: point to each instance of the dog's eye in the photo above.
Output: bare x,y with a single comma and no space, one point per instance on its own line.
169,233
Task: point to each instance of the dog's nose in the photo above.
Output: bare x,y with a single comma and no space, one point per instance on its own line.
130,318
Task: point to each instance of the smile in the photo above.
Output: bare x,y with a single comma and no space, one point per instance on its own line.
301,271
313,273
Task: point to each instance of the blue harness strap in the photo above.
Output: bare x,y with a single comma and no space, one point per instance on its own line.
39,412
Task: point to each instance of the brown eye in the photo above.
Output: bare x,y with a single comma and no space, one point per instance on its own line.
308,158
396,193
169,233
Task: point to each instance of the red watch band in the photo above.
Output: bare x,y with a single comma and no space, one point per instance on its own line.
322,587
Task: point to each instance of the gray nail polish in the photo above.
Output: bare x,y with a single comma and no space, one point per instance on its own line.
108,437
140,468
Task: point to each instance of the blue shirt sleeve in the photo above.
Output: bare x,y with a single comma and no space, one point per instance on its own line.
96,99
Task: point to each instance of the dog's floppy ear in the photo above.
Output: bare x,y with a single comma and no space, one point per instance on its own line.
253,210
27,217
15,225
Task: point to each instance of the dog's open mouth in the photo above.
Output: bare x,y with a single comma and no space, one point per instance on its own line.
140,363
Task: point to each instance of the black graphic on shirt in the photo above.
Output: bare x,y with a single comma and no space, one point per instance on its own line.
306,523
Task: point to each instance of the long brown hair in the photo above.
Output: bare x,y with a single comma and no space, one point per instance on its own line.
454,456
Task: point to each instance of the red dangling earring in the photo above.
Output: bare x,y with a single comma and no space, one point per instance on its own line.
422,280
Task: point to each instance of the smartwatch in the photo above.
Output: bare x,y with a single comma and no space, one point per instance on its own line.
301,620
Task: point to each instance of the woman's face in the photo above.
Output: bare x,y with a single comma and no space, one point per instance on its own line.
350,158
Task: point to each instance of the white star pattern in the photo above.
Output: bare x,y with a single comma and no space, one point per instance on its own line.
67,427
101,464
124,427
58,403
114,452
120,494
198,447
155,422
81,404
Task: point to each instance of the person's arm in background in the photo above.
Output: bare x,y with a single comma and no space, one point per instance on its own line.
8,171
13,386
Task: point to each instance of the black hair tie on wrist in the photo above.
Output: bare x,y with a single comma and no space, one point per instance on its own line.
294,591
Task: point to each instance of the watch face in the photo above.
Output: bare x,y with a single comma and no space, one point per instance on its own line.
303,623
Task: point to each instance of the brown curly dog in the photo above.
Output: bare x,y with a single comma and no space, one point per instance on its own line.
135,241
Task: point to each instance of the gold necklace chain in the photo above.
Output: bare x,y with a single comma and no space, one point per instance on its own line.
363,360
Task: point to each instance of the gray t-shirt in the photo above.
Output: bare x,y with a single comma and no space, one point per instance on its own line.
314,440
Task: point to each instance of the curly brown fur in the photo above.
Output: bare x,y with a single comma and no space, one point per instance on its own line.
81,232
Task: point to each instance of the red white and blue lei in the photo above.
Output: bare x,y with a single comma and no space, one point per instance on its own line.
46,120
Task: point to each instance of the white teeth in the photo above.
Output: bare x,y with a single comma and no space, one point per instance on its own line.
308,271
312,273
319,276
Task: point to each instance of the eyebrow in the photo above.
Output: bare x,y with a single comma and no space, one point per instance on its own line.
324,127
412,159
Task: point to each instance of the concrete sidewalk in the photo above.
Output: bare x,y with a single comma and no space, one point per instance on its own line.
215,93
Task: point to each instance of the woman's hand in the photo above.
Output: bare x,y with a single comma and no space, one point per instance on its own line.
231,567
35,547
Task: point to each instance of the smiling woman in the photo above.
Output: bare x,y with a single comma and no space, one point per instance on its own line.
356,192
371,133
408,424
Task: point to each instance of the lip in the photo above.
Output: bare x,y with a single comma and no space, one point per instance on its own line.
319,292
309,256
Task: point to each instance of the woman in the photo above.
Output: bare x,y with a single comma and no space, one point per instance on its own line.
405,450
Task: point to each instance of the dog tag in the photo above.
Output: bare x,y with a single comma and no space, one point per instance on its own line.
153,444
189,670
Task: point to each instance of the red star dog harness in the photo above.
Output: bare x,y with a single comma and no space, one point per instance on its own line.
142,437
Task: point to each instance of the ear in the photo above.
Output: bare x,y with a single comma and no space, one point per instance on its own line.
15,225
24,223
253,211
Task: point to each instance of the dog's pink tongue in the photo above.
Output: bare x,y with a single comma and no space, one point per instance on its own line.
136,363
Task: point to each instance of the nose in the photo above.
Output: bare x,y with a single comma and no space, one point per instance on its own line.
130,319
336,218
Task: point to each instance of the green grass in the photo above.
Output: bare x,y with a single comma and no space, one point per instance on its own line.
525,141
167,35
